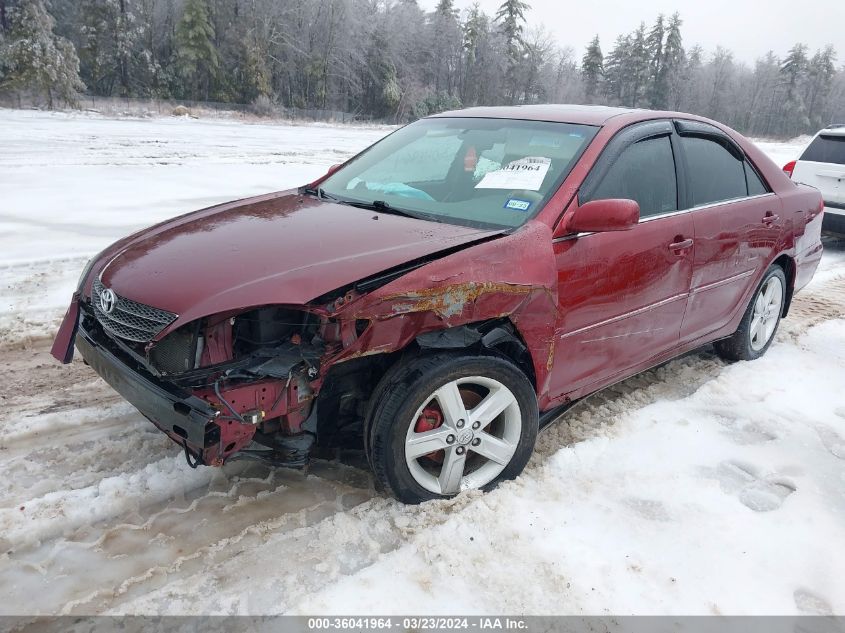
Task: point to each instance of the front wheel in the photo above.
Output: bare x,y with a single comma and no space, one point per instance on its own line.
446,423
758,326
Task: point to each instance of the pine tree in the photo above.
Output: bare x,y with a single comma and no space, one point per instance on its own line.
446,9
446,38
197,61
722,69
36,59
474,31
821,72
764,90
592,69
692,90
637,68
383,92
511,18
793,73
615,69
109,54
657,85
674,60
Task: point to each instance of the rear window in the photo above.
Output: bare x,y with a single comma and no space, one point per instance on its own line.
826,149
755,184
715,174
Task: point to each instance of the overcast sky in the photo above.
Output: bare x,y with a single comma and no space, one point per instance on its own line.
749,28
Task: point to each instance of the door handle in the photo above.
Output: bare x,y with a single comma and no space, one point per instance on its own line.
770,218
680,245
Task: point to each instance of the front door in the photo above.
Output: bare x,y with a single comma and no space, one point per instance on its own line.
622,295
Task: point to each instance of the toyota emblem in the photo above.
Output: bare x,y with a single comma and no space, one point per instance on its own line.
108,300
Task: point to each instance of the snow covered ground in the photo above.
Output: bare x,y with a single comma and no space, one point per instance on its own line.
72,183
697,487
783,152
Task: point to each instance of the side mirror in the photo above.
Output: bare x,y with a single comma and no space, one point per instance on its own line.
597,216
333,169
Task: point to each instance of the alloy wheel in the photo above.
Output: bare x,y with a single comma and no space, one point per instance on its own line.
463,436
767,309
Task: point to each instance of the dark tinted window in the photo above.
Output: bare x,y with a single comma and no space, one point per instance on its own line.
826,149
755,185
644,172
714,173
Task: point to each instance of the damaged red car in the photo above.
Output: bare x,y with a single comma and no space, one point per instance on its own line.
443,295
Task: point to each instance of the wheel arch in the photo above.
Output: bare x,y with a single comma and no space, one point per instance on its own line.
498,336
787,264
349,387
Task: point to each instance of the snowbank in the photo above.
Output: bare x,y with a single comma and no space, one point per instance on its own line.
728,501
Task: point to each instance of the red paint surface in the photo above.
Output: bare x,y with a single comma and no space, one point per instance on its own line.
279,248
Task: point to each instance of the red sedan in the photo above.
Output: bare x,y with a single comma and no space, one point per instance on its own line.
447,292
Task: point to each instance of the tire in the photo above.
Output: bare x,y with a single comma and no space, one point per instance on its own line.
760,322
427,402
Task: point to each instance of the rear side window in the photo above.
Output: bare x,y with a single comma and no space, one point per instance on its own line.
715,174
644,172
826,149
755,185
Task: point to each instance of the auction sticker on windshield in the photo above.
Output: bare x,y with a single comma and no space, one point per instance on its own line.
525,173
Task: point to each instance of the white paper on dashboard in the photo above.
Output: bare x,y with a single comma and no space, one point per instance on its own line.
525,173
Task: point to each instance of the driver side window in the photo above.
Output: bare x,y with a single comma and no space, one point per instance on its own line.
645,172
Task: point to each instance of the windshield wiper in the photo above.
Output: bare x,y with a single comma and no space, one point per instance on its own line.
320,193
375,205
384,207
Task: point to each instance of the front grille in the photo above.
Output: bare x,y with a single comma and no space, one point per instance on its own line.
129,319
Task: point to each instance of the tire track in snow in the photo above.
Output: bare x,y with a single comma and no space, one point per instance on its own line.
200,548
175,538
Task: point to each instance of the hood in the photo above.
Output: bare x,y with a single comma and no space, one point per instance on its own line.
279,248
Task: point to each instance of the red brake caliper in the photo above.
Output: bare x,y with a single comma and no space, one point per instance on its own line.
431,418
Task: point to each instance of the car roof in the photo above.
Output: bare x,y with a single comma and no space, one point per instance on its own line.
835,129
558,113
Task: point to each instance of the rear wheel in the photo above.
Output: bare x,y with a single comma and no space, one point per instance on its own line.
758,326
446,423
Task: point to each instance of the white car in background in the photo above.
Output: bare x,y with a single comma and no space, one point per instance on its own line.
822,165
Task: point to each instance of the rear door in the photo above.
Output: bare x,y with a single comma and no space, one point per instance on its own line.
822,165
622,294
737,222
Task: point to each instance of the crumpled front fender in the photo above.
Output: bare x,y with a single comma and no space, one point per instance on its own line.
513,277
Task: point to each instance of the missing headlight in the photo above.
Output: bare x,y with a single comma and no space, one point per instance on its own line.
270,327
178,351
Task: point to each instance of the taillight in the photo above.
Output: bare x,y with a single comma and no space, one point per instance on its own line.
789,168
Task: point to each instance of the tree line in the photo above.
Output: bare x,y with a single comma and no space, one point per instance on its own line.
392,60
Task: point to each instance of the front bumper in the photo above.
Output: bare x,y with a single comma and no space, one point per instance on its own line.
184,417
192,418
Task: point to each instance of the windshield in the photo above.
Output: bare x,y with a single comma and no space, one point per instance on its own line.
475,172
